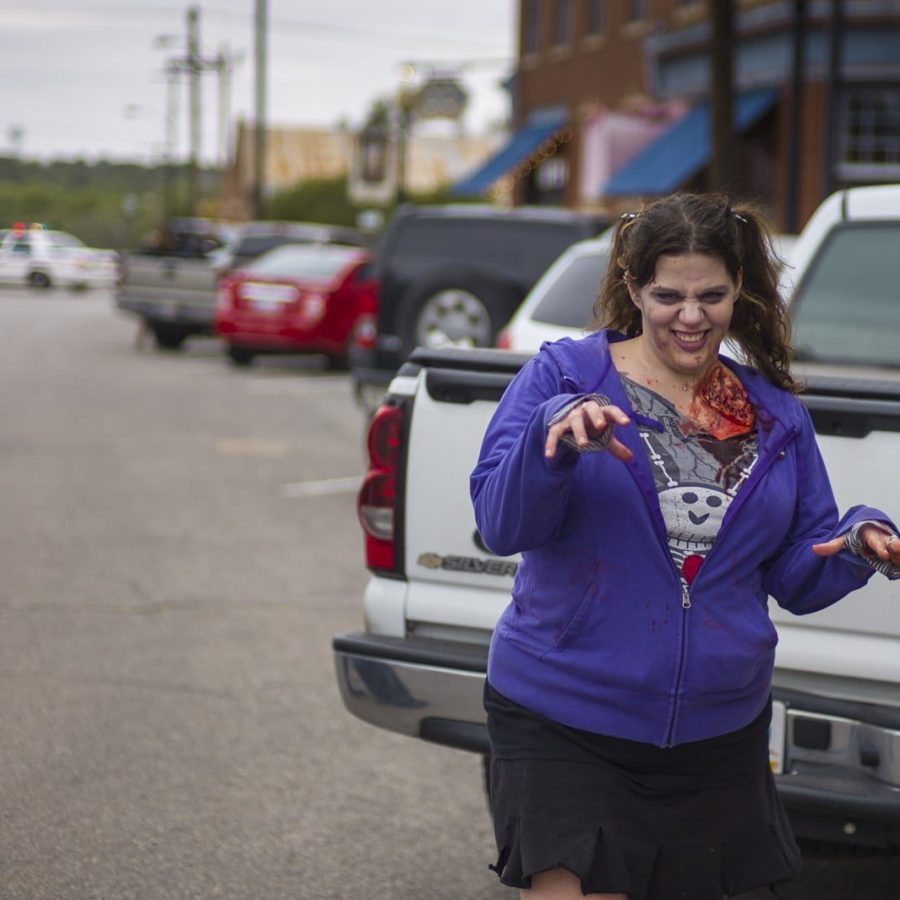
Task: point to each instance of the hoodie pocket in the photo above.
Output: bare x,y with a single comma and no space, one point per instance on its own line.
576,621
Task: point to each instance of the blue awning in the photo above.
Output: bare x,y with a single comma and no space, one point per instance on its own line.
517,149
681,151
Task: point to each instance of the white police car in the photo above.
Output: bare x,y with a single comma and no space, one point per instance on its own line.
39,257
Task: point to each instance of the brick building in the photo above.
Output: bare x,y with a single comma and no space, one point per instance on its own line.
611,102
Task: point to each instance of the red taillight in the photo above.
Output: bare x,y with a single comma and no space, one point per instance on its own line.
504,340
224,288
365,330
365,326
377,503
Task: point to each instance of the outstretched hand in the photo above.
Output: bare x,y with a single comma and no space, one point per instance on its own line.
587,422
875,541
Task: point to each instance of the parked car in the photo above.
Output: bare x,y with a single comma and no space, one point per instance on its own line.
296,299
453,275
560,304
171,280
256,238
41,257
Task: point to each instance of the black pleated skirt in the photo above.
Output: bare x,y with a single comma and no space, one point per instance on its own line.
699,821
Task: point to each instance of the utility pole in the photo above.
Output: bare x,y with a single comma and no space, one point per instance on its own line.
193,64
225,63
721,94
832,93
792,216
194,67
402,126
172,71
259,155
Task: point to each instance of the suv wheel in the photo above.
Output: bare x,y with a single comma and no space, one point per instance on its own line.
461,311
453,318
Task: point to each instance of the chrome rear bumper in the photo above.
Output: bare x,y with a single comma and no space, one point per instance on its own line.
422,688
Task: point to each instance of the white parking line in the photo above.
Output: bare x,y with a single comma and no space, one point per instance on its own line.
322,488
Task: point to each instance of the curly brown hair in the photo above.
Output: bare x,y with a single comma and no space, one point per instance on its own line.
713,225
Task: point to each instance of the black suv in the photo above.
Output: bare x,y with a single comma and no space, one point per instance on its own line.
454,275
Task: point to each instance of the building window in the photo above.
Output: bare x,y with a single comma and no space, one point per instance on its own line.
546,184
596,16
552,176
562,23
531,27
869,139
638,10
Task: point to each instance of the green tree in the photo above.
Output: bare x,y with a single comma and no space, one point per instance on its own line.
88,199
324,201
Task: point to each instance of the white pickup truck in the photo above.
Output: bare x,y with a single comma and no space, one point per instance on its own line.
436,590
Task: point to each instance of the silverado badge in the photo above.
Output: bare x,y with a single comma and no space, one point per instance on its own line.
469,564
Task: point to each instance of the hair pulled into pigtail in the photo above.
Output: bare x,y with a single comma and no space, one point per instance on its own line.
708,224
759,322
613,307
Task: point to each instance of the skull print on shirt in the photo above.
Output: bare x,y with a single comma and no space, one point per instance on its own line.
696,476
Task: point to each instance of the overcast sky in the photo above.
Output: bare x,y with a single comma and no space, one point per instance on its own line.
85,79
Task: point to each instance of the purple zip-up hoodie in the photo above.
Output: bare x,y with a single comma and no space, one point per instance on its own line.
599,635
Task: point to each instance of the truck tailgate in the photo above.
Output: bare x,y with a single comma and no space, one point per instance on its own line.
168,282
453,579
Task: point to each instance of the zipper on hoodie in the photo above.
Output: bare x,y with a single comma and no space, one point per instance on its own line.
759,470
682,652
682,633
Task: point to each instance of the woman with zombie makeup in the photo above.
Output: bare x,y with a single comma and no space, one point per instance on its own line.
659,492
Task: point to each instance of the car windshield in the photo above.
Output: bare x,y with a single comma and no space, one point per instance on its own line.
854,316
569,300
297,261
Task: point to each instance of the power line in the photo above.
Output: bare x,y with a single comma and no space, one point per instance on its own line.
334,31
92,8
344,32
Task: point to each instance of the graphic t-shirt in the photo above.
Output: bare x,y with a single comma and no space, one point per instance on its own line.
696,475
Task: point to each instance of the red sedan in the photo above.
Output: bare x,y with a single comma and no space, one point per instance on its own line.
297,298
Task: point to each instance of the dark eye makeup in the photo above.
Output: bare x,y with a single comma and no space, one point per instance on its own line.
671,297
